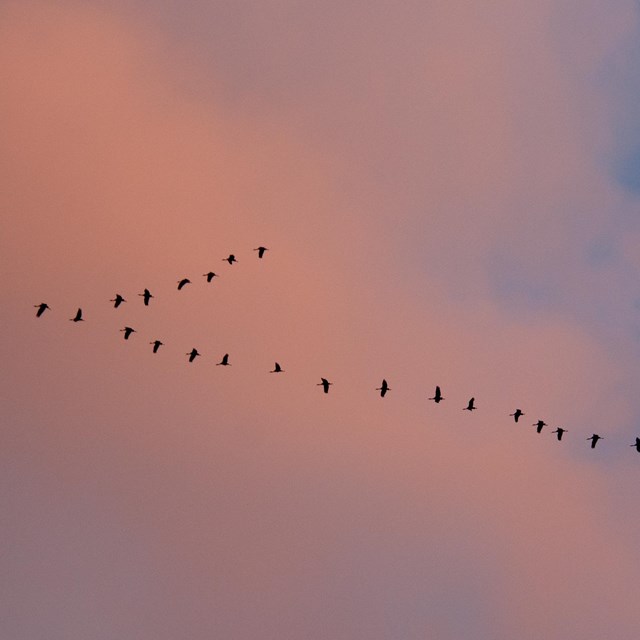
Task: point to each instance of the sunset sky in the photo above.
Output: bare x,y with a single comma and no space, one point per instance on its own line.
450,195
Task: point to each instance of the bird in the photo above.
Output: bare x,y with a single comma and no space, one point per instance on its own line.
224,362
146,296
325,384
118,300
538,425
438,397
231,259
517,414
210,276
127,332
78,317
156,345
384,388
261,251
192,354
277,369
594,439
560,431
41,308
182,282
636,445
470,406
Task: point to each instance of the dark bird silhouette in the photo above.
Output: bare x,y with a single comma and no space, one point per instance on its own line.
192,354
146,297
41,308
636,445
78,317
538,425
231,259
224,362
325,384
182,282
516,415
261,251
384,388
594,439
438,397
277,369
471,405
560,431
156,345
127,332
210,276
118,300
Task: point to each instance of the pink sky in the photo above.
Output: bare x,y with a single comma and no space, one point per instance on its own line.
437,186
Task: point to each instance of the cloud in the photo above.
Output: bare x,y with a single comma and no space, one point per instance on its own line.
174,499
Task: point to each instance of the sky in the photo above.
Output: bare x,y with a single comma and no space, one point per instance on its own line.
450,196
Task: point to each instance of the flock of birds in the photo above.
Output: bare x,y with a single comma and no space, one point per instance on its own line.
146,296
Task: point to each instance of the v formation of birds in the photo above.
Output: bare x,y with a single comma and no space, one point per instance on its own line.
384,388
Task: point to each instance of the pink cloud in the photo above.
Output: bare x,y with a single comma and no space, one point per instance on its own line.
252,504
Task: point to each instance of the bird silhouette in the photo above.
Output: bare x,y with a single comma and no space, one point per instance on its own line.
224,362
261,251
516,415
325,384
210,276
560,431
277,369
438,397
636,445
384,388
538,425
146,297
182,282
41,308
118,300
231,259
127,332
78,317
594,439
471,405
192,354
156,345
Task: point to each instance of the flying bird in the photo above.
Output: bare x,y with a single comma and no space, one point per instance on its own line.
182,282
78,317
146,296
41,308
560,431
156,345
636,445
594,439
192,354
438,397
516,415
538,425
127,332
224,362
118,300
231,259
210,276
261,251
277,369
384,388
471,405
325,384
